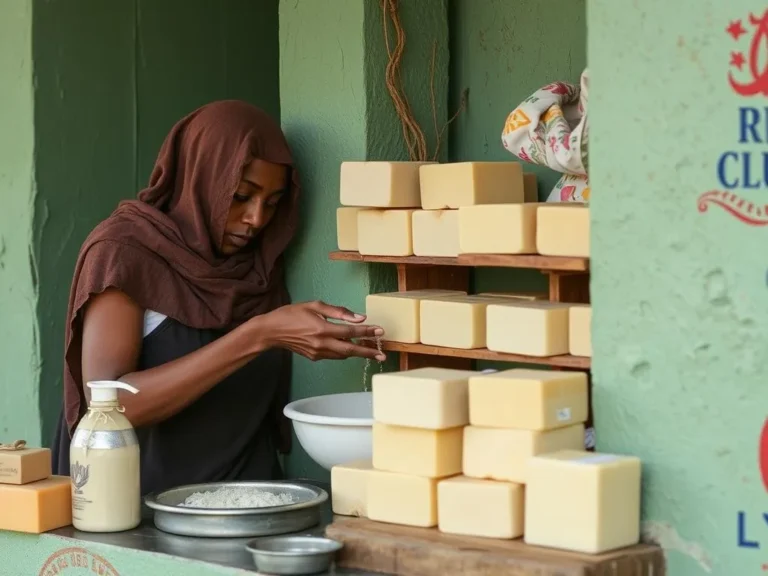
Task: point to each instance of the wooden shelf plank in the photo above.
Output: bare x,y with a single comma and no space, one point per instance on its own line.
533,261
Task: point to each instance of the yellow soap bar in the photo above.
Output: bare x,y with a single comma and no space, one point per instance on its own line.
455,321
498,229
531,189
469,183
402,499
37,507
398,312
503,453
346,228
432,398
349,488
529,328
528,399
385,232
381,184
436,233
580,330
583,501
24,466
417,451
563,229
484,508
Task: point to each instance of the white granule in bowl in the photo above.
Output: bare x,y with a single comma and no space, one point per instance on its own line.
236,497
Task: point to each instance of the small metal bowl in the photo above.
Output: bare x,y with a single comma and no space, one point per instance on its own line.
293,554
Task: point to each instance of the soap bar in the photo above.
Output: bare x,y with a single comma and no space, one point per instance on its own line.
563,230
402,499
24,466
385,232
417,451
530,328
469,183
580,330
582,501
498,229
455,321
381,184
433,398
528,399
398,312
484,508
503,453
349,488
436,233
36,507
530,186
346,228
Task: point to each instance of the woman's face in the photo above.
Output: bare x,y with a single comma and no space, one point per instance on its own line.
254,204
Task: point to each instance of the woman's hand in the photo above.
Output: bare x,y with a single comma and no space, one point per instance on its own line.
305,329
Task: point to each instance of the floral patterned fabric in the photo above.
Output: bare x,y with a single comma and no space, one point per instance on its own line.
550,129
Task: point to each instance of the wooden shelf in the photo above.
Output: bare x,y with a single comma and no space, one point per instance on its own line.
533,261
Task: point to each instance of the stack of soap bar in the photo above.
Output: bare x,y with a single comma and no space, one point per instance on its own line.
531,189
469,183
24,466
472,507
580,330
583,501
436,233
529,328
398,312
385,232
498,229
563,230
349,488
346,228
381,184
36,507
456,321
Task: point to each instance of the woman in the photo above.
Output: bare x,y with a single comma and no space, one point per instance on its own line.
181,293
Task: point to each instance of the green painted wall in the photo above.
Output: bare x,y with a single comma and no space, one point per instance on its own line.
335,107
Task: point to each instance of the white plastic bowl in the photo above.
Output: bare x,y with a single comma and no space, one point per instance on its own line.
334,429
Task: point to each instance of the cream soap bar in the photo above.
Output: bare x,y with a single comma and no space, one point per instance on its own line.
381,184
456,321
583,501
349,488
385,232
563,230
432,398
417,451
346,228
436,233
469,183
529,328
503,453
402,499
528,399
580,330
398,312
472,507
498,229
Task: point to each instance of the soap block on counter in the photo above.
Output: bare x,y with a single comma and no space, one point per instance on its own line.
580,330
436,233
504,453
528,399
583,501
432,398
498,229
468,183
529,328
398,312
530,187
381,184
346,228
484,508
562,229
417,451
385,232
455,321
402,499
349,488
24,466
36,507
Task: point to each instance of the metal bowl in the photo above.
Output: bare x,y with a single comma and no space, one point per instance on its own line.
293,554
303,513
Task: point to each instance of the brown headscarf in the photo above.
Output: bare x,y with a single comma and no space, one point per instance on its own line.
161,250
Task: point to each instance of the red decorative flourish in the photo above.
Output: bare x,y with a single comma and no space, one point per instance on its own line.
736,29
759,83
762,455
737,60
736,206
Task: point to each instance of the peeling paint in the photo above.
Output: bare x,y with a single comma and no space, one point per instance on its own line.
665,535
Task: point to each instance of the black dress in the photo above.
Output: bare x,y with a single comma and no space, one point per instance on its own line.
224,435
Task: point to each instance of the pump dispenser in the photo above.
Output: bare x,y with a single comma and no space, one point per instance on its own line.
104,464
